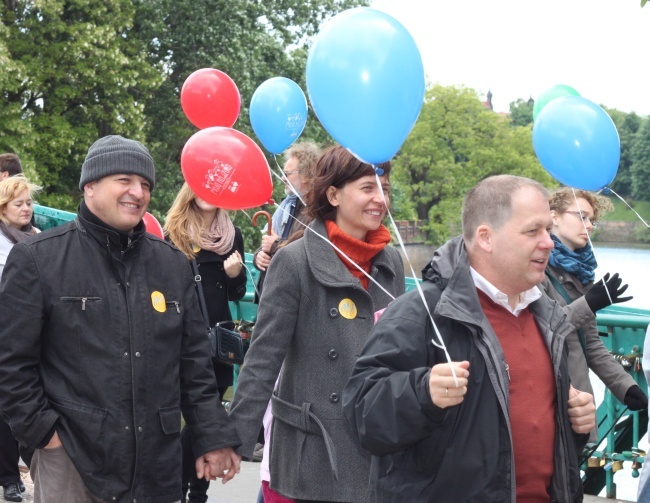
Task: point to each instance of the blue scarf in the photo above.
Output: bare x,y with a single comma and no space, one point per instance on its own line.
581,263
280,217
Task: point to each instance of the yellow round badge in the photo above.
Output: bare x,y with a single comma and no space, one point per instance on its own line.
158,302
196,248
348,309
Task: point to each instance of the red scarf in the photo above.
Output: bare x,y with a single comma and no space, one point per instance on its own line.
360,252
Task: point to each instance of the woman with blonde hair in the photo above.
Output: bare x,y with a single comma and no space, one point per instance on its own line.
16,210
570,281
205,233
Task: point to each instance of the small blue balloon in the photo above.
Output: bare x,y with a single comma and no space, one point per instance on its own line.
278,113
577,143
365,81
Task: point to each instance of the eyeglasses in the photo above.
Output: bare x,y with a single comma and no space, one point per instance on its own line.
584,218
287,173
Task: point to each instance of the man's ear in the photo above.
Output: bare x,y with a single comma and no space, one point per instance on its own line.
89,189
484,237
332,195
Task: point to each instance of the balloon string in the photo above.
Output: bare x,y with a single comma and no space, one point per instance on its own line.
635,212
339,251
440,344
250,275
280,177
575,198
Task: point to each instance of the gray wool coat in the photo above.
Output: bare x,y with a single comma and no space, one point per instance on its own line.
308,333
598,358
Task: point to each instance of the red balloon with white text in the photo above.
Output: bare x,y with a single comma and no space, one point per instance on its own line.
226,168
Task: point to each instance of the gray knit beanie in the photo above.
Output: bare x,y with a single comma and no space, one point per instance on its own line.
112,155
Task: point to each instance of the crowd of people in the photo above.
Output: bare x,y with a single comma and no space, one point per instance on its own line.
472,388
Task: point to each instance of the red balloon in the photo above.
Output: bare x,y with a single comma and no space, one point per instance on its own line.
152,226
210,98
226,168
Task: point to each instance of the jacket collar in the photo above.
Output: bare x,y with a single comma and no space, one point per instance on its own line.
116,241
450,269
326,266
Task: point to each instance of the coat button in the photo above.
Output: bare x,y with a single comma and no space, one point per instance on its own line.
334,312
139,428
137,354
333,354
219,285
334,398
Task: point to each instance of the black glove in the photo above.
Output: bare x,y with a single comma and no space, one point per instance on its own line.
635,399
597,297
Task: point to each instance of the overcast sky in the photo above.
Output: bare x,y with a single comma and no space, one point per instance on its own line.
519,48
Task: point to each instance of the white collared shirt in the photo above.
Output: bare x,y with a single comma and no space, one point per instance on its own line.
525,298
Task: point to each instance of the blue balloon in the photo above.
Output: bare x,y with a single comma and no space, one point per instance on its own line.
278,113
577,143
365,81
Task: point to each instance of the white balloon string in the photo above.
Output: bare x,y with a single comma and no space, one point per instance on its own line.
589,240
635,212
338,250
250,275
440,344
282,178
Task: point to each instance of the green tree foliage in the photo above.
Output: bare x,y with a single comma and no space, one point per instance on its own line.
75,73
455,143
640,169
76,70
251,41
521,112
627,126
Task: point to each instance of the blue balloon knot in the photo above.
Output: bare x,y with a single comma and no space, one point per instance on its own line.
379,171
607,190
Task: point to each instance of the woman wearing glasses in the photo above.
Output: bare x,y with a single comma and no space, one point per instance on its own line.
570,275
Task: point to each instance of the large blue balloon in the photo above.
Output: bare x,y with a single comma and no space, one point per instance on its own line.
278,113
365,82
577,143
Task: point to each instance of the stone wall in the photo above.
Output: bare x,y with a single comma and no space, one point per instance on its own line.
615,232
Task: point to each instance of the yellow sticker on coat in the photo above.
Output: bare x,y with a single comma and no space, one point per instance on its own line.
158,301
348,309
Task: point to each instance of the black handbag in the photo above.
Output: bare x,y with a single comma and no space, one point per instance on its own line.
227,345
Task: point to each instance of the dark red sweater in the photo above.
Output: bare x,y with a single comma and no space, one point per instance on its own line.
532,398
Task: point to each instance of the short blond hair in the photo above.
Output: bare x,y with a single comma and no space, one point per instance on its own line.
11,187
490,202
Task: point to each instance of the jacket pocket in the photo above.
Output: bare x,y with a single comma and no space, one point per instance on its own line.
82,431
168,449
170,419
82,301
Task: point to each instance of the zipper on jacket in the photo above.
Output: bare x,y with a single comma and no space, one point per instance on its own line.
175,304
508,371
82,299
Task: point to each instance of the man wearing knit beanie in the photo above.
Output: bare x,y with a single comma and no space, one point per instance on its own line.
114,154
126,169
112,348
